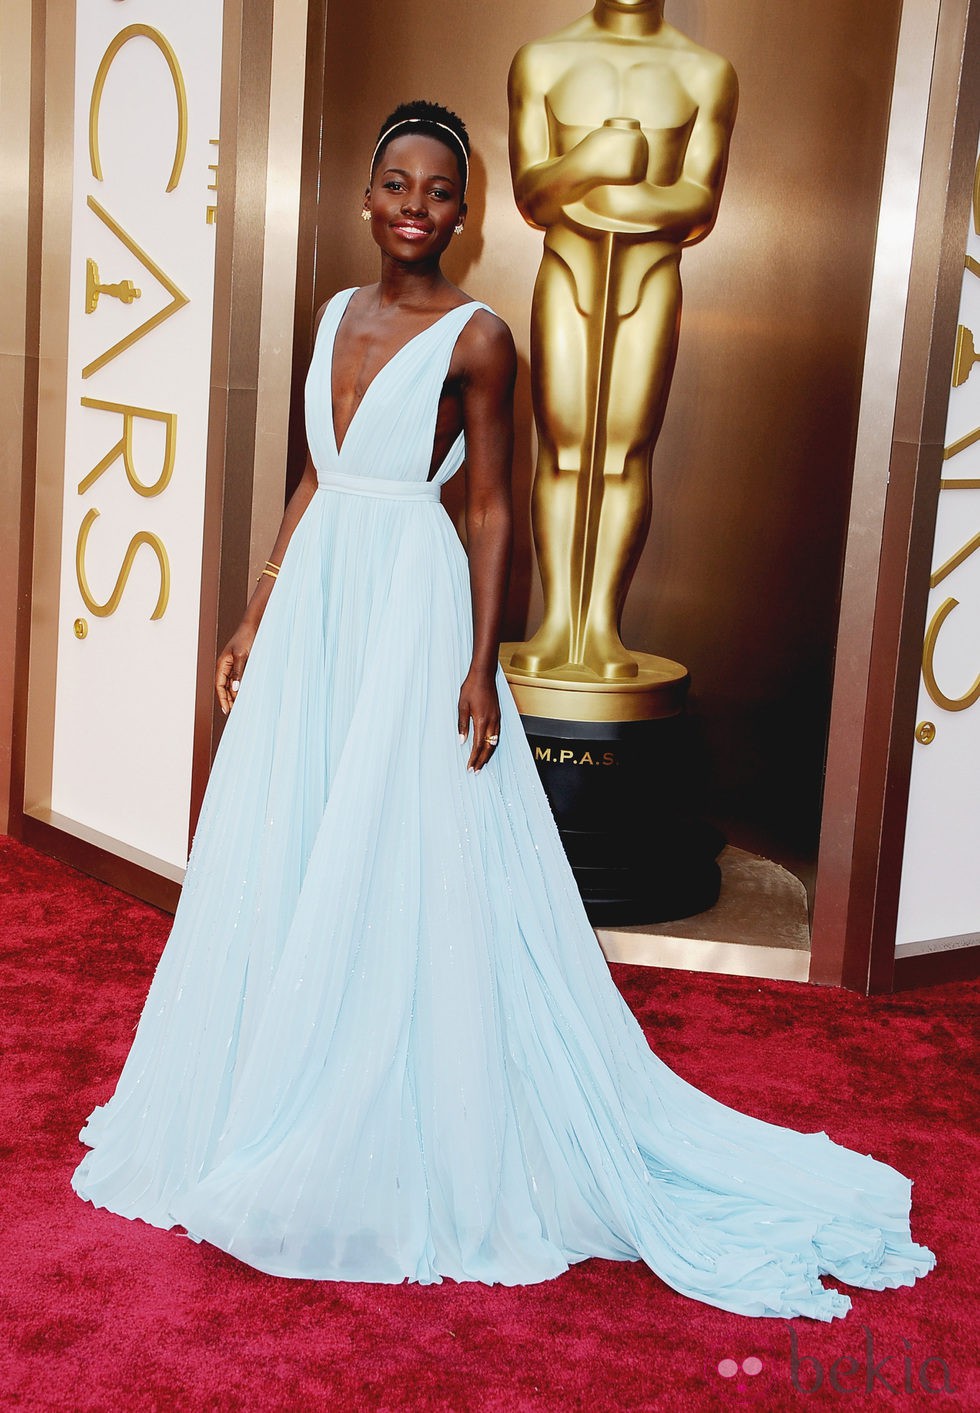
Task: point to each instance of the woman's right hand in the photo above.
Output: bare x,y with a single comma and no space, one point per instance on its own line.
231,664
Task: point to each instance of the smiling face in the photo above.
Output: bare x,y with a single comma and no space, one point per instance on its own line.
415,197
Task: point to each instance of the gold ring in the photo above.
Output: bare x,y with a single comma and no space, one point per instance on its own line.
491,740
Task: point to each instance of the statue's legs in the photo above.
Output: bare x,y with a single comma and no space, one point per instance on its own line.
560,382
642,364
603,340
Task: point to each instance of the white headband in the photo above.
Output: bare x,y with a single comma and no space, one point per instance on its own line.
432,123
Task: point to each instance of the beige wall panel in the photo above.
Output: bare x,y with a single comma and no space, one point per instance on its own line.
740,575
54,52
18,354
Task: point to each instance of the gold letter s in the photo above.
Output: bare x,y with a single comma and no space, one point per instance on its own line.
142,537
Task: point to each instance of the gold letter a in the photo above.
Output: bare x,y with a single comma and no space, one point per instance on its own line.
177,298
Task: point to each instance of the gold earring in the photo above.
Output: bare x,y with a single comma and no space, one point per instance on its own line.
365,214
458,228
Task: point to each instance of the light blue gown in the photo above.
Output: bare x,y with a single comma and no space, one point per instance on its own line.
382,1041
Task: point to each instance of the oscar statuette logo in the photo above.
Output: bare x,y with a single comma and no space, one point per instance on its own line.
123,290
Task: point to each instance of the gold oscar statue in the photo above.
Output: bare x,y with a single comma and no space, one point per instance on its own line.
122,289
619,136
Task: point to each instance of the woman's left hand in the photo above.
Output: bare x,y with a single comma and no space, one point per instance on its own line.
478,704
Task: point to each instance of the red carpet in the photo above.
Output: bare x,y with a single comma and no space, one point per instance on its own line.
105,1314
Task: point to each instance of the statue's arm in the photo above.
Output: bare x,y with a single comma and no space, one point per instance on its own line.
685,210
707,151
543,184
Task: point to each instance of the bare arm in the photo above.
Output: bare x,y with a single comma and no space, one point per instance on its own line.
489,371
234,656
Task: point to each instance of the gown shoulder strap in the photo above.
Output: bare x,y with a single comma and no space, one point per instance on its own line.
334,308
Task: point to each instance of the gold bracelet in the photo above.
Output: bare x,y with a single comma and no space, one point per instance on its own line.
272,573
269,565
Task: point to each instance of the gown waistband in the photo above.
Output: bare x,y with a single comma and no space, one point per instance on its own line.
375,486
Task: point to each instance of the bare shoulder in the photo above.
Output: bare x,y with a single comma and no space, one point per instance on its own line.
487,330
486,348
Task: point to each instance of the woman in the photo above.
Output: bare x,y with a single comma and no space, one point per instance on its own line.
382,1042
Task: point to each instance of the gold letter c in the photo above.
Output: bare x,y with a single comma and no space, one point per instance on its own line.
167,50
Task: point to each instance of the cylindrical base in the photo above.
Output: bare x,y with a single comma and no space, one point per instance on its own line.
621,792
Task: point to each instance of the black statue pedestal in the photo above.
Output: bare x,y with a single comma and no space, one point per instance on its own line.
620,769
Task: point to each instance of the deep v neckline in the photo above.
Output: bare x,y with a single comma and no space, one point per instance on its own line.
338,448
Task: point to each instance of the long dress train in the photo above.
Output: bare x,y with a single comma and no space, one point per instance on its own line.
381,1041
